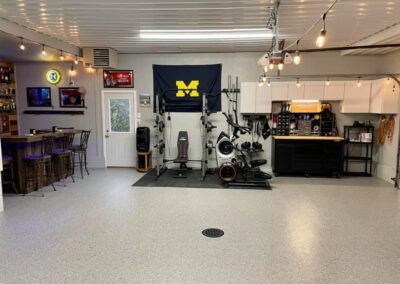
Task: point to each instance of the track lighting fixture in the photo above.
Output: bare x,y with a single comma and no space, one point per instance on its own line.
280,66
44,53
297,58
61,55
76,60
21,45
298,82
327,82
359,82
320,42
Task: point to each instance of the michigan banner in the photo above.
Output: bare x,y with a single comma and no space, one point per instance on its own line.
181,86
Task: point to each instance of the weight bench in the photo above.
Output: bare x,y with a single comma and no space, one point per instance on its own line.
183,158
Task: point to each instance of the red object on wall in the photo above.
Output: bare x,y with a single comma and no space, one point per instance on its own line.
118,79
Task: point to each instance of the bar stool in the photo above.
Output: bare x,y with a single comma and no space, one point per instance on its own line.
63,159
80,151
7,176
39,167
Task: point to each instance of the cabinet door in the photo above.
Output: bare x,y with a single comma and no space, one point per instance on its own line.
295,92
314,90
263,99
279,91
384,97
356,98
248,97
334,91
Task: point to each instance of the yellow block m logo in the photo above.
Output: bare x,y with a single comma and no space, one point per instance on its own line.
190,89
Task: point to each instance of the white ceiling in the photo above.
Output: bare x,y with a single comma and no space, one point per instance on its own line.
116,23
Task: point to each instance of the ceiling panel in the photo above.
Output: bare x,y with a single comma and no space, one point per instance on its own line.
117,23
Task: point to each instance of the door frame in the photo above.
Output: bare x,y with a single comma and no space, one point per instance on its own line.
103,116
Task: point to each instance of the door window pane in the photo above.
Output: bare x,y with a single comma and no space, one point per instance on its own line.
120,115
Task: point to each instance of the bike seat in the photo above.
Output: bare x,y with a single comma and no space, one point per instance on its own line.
257,163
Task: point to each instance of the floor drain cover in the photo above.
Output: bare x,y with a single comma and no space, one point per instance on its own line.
213,233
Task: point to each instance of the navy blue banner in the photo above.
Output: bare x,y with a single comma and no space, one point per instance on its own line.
182,86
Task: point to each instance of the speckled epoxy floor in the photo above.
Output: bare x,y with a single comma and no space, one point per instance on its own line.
101,230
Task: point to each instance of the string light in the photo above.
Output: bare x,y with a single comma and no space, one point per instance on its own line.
44,53
388,81
327,82
260,83
76,60
265,69
269,83
61,55
21,45
280,66
297,58
320,42
359,82
298,82
72,71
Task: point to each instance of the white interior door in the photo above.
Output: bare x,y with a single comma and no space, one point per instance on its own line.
120,128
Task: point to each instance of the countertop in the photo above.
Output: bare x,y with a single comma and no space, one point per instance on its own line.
35,137
314,138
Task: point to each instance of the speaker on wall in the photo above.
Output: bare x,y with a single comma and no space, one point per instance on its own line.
143,139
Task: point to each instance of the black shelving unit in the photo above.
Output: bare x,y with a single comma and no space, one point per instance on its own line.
353,141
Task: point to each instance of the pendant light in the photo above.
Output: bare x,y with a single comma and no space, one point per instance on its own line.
76,60
359,82
61,55
269,83
298,82
297,58
320,42
327,82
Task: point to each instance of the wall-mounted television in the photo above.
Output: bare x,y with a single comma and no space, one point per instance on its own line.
39,97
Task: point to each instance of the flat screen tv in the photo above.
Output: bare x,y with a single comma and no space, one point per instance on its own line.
39,97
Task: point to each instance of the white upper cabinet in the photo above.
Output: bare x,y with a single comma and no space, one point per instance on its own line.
279,91
263,99
255,99
334,91
314,90
248,93
384,97
295,91
356,98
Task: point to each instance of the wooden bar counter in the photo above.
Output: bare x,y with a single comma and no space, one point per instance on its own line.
21,146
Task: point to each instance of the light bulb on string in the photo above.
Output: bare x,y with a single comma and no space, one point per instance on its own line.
72,71
21,45
264,78
280,66
269,83
44,53
298,82
359,82
260,83
327,82
320,42
265,69
61,55
297,58
76,60
388,81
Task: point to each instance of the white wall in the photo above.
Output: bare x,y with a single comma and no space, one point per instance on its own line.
236,64
33,75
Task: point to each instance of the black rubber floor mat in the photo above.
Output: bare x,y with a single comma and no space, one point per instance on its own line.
193,180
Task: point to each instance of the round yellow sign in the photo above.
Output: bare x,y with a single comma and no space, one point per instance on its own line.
53,76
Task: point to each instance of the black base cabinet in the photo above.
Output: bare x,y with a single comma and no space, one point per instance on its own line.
307,157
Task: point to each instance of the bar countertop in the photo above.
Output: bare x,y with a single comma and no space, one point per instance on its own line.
313,138
36,137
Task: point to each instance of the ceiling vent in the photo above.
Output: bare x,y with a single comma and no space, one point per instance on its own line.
100,57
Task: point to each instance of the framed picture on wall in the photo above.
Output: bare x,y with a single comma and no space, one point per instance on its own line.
118,78
71,97
38,97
